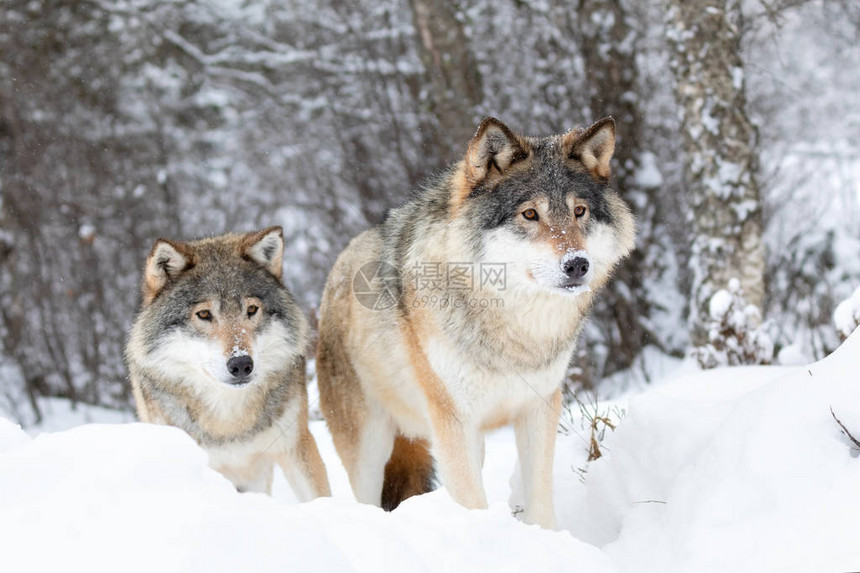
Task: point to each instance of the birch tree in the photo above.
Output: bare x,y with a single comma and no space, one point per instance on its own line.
720,153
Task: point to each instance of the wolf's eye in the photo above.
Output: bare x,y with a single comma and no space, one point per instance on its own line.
579,211
204,315
252,310
530,214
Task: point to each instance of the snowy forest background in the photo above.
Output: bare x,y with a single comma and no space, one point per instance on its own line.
122,121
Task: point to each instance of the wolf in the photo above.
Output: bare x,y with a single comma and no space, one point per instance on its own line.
409,389
218,349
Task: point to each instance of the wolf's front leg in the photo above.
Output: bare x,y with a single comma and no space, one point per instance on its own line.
253,476
369,448
535,430
458,450
304,469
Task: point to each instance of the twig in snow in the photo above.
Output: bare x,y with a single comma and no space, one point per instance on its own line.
845,430
594,447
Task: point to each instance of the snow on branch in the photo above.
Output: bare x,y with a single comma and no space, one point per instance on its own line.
846,317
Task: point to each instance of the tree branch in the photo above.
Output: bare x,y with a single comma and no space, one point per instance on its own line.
844,429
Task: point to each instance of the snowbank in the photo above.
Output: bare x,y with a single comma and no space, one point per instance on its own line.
741,469
136,497
730,470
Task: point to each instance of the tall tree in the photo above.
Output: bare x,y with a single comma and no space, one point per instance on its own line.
609,42
452,74
720,164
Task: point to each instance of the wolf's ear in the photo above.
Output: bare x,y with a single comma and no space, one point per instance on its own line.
593,146
266,248
167,260
494,146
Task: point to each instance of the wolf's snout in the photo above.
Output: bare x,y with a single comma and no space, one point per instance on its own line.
576,268
240,367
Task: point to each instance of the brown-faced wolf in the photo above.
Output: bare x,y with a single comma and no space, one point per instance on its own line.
440,367
218,350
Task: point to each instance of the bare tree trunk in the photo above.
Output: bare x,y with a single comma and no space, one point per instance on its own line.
721,158
453,76
608,42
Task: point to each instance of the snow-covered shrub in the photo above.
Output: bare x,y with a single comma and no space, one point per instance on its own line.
736,334
846,317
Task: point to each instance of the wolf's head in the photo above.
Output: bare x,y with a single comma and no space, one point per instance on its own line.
544,206
216,309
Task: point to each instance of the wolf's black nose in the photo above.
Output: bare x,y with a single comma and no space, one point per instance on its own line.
576,268
240,367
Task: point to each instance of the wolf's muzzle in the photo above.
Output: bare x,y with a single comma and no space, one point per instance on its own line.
576,269
240,367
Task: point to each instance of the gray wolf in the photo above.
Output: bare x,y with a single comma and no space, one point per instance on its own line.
218,349
410,388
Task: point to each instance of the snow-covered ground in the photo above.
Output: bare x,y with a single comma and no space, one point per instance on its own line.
742,469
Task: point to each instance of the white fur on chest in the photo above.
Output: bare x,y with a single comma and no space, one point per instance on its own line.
483,395
543,316
279,437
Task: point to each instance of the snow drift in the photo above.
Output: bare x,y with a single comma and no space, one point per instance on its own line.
137,497
742,469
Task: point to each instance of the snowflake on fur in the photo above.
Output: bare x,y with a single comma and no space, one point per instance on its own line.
736,335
